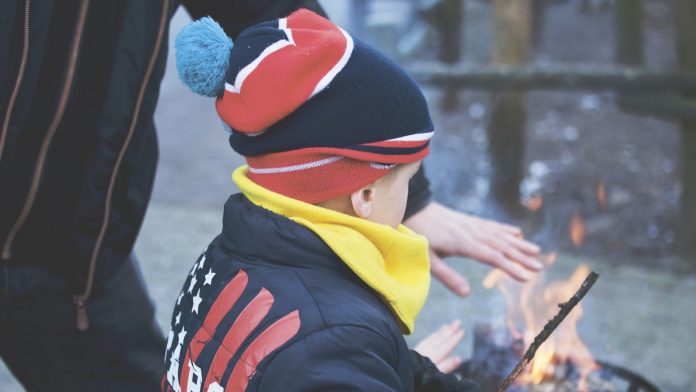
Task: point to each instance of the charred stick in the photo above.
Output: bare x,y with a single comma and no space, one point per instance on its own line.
548,329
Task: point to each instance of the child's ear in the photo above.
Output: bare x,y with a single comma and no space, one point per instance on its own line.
362,201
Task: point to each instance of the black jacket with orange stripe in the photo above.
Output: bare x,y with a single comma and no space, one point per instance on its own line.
79,82
270,307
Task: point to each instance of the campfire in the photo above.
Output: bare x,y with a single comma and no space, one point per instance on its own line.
563,362
530,306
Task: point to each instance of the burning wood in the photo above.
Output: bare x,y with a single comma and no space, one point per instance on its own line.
495,356
562,363
566,307
529,307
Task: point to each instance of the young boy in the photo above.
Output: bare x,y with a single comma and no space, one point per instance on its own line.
313,280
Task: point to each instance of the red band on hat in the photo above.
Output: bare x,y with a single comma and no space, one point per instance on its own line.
317,174
318,180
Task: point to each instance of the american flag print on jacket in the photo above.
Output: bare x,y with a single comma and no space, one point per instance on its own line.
184,367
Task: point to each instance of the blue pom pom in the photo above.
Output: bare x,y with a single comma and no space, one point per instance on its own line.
203,56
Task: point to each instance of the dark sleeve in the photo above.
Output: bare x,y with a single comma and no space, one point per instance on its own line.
236,15
344,358
426,377
418,193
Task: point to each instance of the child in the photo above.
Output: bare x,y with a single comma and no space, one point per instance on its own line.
313,280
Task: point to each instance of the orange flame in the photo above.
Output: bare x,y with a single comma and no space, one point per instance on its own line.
530,306
533,203
493,278
577,230
601,196
548,259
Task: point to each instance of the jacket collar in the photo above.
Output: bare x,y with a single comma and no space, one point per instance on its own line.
262,236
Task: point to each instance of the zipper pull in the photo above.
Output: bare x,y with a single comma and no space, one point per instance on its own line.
82,319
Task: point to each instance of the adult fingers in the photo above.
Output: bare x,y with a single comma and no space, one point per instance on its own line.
491,229
495,225
497,259
525,246
504,246
448,276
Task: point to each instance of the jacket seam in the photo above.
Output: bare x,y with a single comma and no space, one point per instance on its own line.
323,319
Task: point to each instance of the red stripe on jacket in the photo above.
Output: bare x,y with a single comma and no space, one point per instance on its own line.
243,326
273,337
222,305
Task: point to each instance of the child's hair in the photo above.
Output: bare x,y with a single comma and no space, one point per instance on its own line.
316,113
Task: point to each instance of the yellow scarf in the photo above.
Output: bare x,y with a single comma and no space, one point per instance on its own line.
394,262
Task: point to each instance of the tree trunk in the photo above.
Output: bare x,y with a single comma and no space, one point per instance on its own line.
506,131
628,31
538,20
448,16
685,11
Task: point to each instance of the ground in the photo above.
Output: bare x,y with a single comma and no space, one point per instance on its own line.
639,314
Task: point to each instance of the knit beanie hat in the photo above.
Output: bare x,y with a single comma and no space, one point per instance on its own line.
315,113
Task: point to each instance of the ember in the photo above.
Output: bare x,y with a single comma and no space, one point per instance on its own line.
577,230
601,196
533,203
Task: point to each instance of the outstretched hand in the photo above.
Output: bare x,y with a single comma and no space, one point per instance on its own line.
452,233
438,346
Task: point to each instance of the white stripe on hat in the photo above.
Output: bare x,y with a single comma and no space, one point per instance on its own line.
381,166
336,68
292,168
413,138
276,46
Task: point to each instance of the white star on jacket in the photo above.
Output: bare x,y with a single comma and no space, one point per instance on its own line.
186,302
196,302
209,277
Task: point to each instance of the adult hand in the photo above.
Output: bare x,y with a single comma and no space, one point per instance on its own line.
452,233
439,345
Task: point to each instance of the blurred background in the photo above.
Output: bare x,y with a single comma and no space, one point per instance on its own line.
573,119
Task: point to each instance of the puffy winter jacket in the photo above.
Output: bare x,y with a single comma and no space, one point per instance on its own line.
270,307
